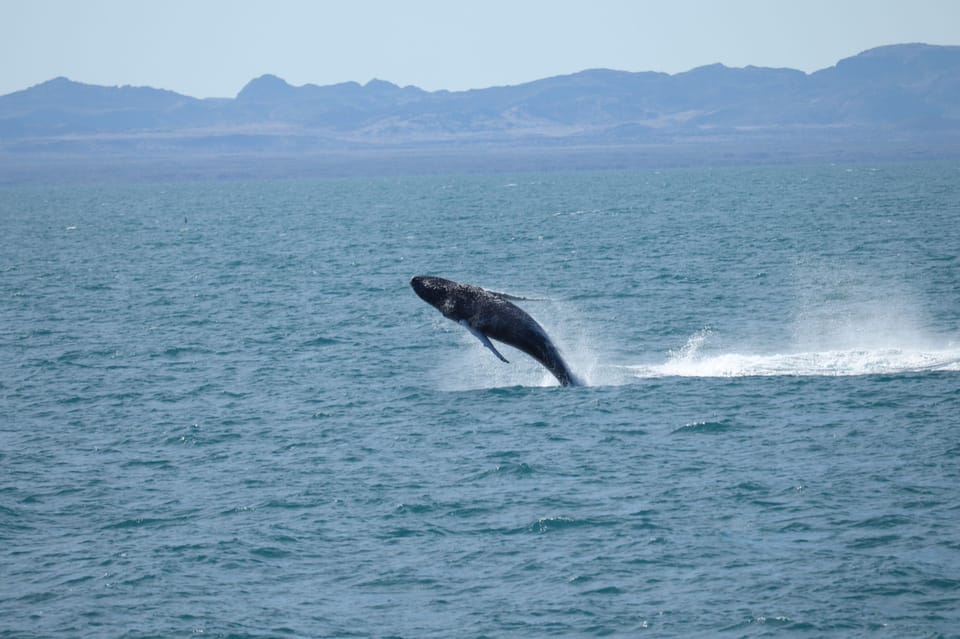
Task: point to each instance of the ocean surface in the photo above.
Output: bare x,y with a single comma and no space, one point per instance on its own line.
224,412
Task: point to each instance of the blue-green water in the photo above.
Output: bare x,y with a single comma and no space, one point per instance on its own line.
224,411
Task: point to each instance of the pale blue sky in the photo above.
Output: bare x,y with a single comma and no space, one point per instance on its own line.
211,48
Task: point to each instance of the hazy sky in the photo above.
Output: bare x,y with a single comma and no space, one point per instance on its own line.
211,48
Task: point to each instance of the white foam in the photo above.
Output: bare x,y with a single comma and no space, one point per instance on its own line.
825,363
691,361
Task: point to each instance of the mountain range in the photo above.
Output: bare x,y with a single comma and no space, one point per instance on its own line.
903,96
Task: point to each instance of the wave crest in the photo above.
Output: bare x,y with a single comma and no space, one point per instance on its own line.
690,361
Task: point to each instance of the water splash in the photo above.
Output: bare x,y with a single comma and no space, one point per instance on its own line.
845,324
692,361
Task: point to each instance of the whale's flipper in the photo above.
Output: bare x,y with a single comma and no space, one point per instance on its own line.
483,339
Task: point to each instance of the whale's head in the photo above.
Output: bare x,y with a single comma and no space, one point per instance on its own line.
452,299
435,291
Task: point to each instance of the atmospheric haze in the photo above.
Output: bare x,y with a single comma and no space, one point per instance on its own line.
211,49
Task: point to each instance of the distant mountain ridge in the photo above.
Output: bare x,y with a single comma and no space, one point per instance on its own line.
900,90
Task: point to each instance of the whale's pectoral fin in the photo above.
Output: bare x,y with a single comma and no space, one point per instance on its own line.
483,339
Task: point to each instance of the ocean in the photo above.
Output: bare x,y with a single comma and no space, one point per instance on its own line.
224,412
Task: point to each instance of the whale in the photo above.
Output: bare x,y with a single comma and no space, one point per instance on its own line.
492,315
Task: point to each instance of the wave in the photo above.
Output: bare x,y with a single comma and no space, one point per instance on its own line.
826,363
691,361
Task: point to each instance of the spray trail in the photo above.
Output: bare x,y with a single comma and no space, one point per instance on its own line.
691,361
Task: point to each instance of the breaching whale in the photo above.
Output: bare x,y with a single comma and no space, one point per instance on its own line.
491,315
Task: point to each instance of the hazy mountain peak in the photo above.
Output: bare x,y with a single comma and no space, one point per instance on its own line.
381,85
267,87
